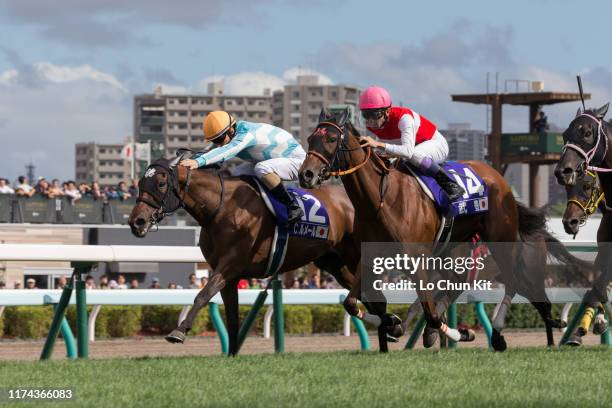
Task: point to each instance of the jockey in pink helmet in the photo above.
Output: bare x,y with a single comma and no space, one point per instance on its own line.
405,134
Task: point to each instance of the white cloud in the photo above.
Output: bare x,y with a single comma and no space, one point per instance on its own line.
62,74
8,77
66,105
244,83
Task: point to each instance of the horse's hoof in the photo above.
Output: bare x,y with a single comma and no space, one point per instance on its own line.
395,331
390,320
498,342
467,335
574,340
558,324
176,336
430,336
600,326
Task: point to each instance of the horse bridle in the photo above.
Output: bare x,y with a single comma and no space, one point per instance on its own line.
590,154
160,203
340,148
592,203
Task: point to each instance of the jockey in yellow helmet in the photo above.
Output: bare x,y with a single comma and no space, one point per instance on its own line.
272,154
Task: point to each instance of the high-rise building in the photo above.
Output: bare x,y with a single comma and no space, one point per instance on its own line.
102,163
171,122
465,143
297,107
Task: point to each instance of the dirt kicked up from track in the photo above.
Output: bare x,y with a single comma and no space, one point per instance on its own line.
209,345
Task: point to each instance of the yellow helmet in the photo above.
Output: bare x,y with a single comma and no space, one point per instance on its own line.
216,124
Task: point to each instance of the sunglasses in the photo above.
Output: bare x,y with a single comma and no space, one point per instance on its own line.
219,140
373,114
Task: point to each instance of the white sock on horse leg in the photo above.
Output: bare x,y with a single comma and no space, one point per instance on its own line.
452,334
372,319
500,318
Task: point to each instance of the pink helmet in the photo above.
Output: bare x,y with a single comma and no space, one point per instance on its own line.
374,97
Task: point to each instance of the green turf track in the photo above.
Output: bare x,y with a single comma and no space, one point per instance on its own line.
466,378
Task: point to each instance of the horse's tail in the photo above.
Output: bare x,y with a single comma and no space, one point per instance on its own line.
532,227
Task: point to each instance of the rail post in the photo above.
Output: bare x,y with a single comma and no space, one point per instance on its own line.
217,321
278,316
416,332
571,327
452,322
251,316
484,321
56,323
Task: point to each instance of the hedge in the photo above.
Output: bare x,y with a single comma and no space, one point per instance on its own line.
123,321
27,322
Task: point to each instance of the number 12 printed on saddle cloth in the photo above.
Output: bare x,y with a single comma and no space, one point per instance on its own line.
315,221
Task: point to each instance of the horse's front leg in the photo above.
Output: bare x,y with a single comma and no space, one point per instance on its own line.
214,285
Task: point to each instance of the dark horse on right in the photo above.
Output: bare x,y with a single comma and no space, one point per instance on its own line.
586,149
390,206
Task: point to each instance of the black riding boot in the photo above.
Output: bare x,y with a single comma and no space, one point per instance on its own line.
294,211
448,183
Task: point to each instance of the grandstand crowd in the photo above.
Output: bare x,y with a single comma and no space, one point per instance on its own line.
68,189
104,282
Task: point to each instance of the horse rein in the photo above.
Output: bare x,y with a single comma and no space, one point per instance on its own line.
340,148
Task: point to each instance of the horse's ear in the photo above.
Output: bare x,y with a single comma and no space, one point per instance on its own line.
324,115
175,161
342,118
600,113
579,112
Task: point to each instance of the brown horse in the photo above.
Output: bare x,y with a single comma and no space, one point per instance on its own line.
237,232
390,206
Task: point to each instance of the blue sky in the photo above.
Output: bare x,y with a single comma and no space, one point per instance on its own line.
69,68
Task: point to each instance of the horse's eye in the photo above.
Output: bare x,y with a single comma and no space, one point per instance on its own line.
332,140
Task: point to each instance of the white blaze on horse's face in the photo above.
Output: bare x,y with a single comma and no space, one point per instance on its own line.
150,172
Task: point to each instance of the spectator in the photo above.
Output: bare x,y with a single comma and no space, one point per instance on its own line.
314,282
134,284
254,284
193,282
96,192
61,282
90,282
111,193
330,283
103,282
121,282
155,284
55,190
5,188
112,284
42,187
134,188
85,190
203,281
122,191
2,285
172,285
23,188
243,284
31,284
71,191
540,125
17,285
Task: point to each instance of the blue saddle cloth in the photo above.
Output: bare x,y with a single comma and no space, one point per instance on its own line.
474,201
313,225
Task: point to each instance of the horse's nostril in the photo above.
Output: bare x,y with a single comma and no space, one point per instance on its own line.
308,175
140,222
574,222
567,171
